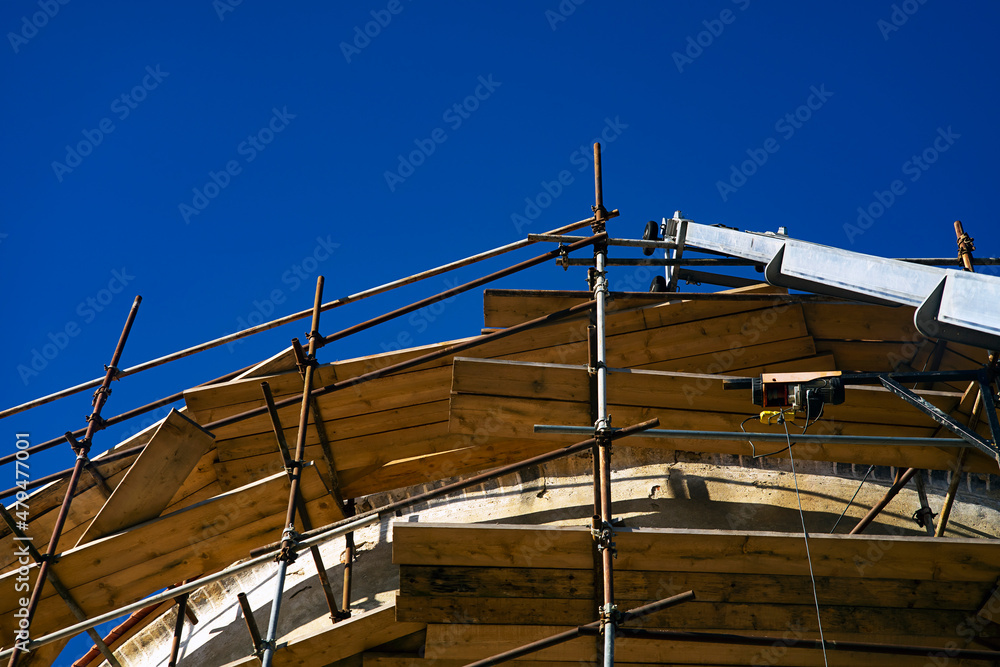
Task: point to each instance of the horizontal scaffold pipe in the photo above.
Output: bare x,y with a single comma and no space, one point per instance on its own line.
329,532
301,315
352,382
438,354
118,419
769,437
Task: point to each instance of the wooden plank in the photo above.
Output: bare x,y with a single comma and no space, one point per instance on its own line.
376,659
347,434
343,640
201,399
282,362
504,308
86,503
200,482
520,416
883,356
417,581
441,465
697,337
155,477
689,550
363,451
693,616
741,357
819,362
203,538
473,642
856,321
43,656
664,389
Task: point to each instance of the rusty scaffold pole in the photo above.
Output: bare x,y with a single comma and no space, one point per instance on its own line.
266,326
81,449
58,586
603,530
335,613
288,537
965,248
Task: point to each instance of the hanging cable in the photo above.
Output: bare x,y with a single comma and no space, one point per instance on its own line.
851,501
805,535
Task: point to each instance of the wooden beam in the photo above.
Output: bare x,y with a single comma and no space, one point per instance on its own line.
664,389
203,538
857,321
343,640
838,620
86,503
504,308
720,551
418,581
473,642
155,477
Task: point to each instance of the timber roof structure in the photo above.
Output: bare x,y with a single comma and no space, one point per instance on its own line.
208,487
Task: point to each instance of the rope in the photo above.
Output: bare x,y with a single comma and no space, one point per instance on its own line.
805,535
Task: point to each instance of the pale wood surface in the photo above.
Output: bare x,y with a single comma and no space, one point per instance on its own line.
154,478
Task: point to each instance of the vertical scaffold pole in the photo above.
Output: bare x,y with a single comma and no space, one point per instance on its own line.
288,536
81,448
604,533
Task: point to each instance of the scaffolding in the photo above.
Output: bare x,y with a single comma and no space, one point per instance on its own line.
944,311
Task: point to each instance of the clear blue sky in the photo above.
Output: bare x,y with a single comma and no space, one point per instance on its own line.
210,156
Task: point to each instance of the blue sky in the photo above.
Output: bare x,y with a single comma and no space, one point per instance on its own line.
215,157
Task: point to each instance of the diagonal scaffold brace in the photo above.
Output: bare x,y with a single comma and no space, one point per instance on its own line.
81,448
288,538
335,613
57,585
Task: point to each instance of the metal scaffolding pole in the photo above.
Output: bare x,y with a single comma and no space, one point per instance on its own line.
430,356
266,326
336,529
279,434
288,541
74,606
681,434
125,416
604,534
590,628
81,448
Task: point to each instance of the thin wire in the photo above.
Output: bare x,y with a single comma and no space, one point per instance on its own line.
805,535
851,501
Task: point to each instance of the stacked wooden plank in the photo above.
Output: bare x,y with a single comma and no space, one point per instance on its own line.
525,394
423,424
484,589
202,538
